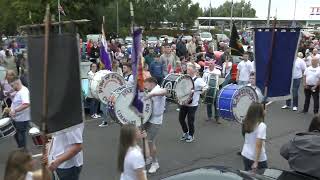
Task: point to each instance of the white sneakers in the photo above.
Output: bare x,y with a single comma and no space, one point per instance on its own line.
154,167
294,108
95,116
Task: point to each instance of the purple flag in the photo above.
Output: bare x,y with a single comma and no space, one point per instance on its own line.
104,54
137,71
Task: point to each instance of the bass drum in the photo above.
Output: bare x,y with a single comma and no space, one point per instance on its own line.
104,83
234,101
179,88
120,110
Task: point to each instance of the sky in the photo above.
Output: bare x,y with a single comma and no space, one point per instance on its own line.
284,8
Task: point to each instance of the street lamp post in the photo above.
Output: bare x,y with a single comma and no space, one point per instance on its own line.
269,8
231,16
242,16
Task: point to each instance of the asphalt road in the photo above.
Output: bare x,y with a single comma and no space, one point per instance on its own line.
214,144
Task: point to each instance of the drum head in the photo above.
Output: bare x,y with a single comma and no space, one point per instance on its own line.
168,83
108,83
241,101
183,88
122,107
4,121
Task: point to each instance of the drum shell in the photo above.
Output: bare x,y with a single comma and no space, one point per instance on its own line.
104,83
234,101
179,88
210,95
36,136
123,113
6,128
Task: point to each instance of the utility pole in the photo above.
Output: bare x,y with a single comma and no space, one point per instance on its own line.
231,17
269,8
59,16
210,17
242,16
117,17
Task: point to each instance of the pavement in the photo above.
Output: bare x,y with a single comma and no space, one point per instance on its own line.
214,144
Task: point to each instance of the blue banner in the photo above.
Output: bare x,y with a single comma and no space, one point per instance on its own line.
275,72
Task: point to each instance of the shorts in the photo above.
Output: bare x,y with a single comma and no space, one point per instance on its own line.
152,130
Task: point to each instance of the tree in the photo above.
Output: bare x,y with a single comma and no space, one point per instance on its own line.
224,10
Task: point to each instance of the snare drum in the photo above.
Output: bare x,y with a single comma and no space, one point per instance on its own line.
234,100
179,88
36,136
104,83
120,110
6,128
212,90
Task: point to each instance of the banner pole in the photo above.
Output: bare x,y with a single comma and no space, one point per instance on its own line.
269,68
45,91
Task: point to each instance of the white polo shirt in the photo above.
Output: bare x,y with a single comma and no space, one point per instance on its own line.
134,160
299,67
199,86
22,97
312,75
250,139
245,68
60,144
158,103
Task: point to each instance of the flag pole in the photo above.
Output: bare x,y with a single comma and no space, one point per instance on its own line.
45,91
59,16
269,65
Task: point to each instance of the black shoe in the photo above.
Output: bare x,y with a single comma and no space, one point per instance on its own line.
303,112
239,153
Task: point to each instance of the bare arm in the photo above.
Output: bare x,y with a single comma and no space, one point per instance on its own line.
259,143
140,174
22,107
238,73
72,151
161,92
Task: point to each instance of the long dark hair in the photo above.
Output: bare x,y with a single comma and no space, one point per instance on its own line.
16,165
255,115
127,139
315,124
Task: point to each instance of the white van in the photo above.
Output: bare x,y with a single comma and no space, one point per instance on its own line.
206,36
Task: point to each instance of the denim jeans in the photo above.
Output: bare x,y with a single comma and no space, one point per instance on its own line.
21,130
209,108
72,173
248,163
93,106
104,109
294,91
189,111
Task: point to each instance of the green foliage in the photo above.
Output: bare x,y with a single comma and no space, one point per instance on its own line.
224,10
148,13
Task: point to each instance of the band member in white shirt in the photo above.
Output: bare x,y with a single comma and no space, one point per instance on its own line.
20,111
226,70
314,54
245,67
158,96
311,86
211,77
127,73
298,70
189,110
65,155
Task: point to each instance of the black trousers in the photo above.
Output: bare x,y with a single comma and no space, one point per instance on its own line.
315,95
189,112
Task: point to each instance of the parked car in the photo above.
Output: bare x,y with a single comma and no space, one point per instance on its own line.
152,40
128,40
162,37
206,36
120,41
225,173
222,37
187,38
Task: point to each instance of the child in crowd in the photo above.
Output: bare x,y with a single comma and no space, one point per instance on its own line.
254,130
